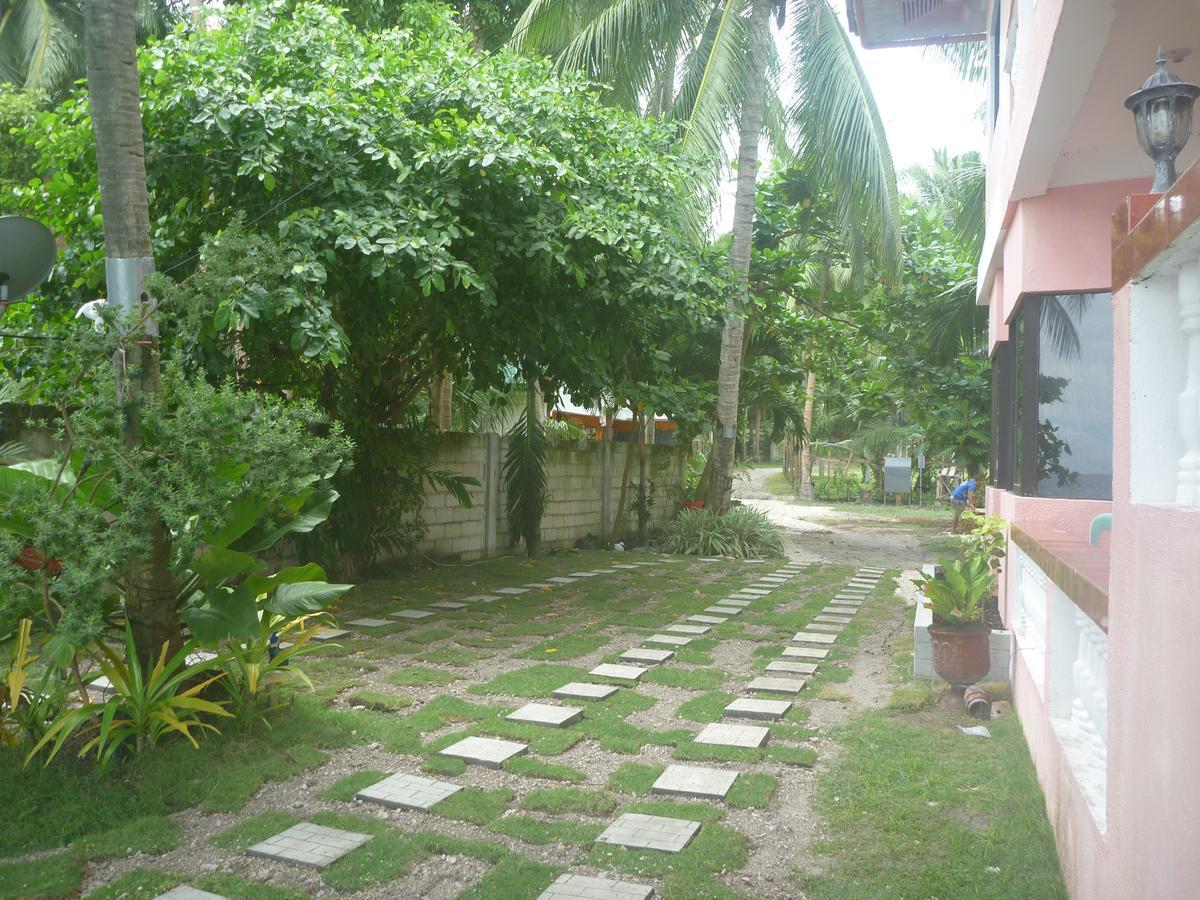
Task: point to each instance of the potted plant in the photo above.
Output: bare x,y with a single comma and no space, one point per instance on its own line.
958,633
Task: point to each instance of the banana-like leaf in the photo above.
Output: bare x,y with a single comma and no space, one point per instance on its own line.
257,585
292,600
313,512
217,565
225,615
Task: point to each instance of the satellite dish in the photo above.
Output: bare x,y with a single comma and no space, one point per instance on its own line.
27,252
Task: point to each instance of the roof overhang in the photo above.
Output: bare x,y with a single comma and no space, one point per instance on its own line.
914,23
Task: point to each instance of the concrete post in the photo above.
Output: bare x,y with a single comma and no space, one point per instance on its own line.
491,493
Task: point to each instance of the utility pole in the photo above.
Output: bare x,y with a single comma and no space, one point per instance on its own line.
115,102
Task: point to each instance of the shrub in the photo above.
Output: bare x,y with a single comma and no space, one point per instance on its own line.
742,531
836,487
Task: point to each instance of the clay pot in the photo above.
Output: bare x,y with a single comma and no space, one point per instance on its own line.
693,504
960,652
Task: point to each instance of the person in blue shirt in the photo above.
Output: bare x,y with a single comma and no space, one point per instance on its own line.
963,495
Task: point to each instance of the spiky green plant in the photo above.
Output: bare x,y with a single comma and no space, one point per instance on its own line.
741,532
525,480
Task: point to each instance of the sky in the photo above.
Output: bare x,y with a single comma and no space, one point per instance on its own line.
923,103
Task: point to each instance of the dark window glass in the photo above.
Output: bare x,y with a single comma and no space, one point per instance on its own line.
1003,390
1074,396
1019,407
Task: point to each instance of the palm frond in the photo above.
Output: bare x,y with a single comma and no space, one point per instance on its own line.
41,42
524,474
1060,315
968,58
841,132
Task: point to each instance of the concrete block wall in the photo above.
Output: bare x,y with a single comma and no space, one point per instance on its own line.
583,490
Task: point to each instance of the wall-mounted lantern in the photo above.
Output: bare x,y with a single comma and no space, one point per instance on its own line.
1162,110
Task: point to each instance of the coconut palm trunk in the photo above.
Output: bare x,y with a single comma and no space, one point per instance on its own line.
805,491
115,101
729,376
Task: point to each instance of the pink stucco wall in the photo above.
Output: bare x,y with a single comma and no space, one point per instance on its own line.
1154,668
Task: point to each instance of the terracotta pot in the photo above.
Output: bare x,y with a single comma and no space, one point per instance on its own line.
960,652
693,504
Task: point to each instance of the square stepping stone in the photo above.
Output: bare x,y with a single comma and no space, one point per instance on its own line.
643,832
854,605
670,640
310,845
826,628
769,685
489,752
623,566
480,598
754,593
850,594
562,580
611,670
647,657
412,614
606,571
330,634
186,892
447,604
585,887
813,638
581,690
513,591
832,619
724,610
370,623
688,629
404,791
733,601
707,620
742,595
547,714
772,579
747,736
694,781
805,652
792,668
584,574
753,561
538,585
748,708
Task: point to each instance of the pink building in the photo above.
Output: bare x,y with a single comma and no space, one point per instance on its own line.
1093,289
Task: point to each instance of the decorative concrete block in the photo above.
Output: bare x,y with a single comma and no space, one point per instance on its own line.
480,598
547,714
561,580
733,601
646,656
403,791
826,628
805,652
742,595
513,591
538,585
412,614
694,781
707,620
447,605
584,574
831,619
330,634
670,640
624,566
489,752
749,708
689,629
643,832
185,892
792,668
309,845
724,610
746,736
370,623
809,637
580,690
755,592
625,673
584,887
770,685
606,571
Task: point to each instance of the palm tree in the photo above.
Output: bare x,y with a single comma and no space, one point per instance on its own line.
115,101
41,41
710,65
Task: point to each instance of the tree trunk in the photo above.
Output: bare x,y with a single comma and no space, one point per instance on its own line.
758,434
729,378
806,488
643,511
115,102
616,526
441,401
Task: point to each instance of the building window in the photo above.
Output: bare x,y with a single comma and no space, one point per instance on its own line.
1052,398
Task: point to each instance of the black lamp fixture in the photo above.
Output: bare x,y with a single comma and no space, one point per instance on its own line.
1162,111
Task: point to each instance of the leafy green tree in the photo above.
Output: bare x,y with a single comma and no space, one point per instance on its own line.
483,222
709,66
